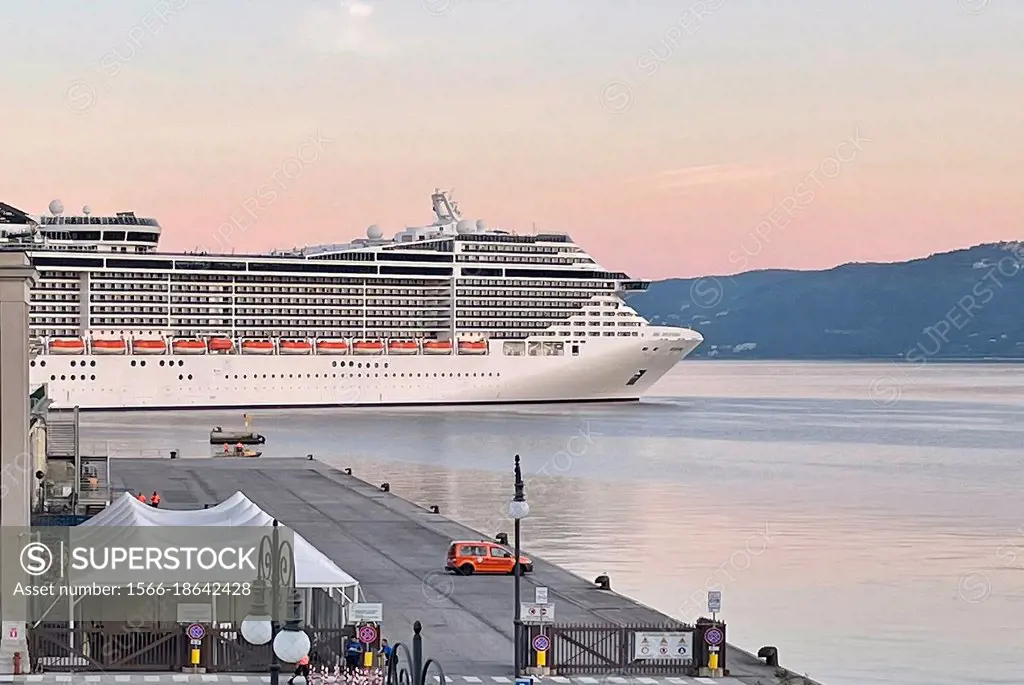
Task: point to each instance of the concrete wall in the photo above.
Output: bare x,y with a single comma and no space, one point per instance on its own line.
16,462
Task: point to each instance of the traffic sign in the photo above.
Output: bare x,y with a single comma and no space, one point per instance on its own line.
541,595
365,612
367,634
715,601
196,631
542,643
714,636
537,613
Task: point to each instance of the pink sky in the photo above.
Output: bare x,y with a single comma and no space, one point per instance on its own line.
708,150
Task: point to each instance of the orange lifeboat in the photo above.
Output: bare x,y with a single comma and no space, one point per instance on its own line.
403,347
437,347
67,346
148,346
256,347
222,345
296,347
109,346
368,347
188,346
473,347
331,347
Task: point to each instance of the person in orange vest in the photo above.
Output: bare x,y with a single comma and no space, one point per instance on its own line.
239,448
141,498
301,669
155,499
227,449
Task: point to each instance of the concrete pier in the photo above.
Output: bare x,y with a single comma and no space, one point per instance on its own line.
396,549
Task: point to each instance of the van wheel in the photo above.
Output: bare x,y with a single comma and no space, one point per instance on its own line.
466,570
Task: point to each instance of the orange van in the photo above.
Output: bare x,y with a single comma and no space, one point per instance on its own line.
467,557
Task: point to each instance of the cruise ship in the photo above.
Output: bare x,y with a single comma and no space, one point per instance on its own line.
450,313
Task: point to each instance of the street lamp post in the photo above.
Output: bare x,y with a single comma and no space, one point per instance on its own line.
261,625
519,509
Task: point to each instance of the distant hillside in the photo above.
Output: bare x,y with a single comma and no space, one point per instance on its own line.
963,304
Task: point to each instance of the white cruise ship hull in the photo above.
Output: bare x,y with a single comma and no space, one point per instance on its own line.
605,370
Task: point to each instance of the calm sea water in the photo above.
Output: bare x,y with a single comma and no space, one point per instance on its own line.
866,519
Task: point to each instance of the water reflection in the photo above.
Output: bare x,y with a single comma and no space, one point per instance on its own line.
869,543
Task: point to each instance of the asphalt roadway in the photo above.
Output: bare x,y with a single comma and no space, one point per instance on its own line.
396,550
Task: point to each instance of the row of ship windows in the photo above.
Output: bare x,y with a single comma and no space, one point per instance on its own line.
135,310
395,286
516,249
493,288
292,282
587,288
183,377
206,313
143,281
492,259
540,310
320,301
470,318
212,319
312,333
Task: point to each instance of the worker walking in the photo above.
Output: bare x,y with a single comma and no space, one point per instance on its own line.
141,498
154,501
301,669
227,449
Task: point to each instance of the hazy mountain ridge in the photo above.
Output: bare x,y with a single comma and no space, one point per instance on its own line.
963,304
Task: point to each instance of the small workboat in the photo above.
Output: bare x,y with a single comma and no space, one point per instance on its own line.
219,436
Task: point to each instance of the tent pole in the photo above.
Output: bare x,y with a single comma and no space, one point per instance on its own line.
214,625
72,600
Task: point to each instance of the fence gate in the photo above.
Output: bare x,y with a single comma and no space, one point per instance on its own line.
113,648
227,652
589,649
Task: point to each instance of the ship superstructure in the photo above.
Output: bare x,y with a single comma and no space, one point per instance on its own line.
448,313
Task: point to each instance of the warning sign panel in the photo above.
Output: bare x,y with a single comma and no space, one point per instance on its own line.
676,646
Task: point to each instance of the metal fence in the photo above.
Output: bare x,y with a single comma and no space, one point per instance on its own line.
126,647
581,649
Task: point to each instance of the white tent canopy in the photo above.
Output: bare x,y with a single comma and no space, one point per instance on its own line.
313,569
